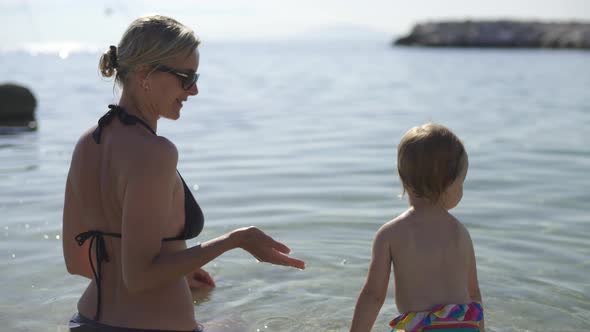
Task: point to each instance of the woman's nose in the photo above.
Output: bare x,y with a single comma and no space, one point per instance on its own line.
194,90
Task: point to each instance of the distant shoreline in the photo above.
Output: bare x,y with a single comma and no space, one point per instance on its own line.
499,34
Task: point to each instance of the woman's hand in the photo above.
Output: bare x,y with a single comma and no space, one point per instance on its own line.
264,248
199,278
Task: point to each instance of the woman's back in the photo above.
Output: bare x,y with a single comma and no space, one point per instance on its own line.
95,201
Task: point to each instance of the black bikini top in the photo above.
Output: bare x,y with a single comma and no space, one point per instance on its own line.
193,222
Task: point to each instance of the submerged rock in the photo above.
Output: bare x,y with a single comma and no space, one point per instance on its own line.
499,34
17,107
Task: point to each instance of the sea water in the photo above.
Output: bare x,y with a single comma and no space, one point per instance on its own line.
300,139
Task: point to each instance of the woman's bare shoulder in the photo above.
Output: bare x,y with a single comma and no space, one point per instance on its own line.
155,153
131,153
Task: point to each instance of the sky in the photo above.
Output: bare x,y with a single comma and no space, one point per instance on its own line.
103,22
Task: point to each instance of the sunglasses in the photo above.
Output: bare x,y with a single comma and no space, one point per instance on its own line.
186,78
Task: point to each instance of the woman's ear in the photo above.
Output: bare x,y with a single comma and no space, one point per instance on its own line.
143,73
142,77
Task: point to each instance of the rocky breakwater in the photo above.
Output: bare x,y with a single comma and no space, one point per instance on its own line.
17,107
510,34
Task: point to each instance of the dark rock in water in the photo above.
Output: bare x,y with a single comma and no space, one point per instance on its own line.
499,34
17,107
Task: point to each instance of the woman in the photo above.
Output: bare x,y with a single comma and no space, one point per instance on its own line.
127,211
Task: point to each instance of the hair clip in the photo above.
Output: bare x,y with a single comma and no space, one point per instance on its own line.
113,54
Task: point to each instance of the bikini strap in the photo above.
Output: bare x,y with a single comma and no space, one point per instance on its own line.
97,241
126,119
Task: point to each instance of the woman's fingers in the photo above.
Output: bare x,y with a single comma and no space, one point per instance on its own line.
200,278
278,258
193,283
280,247
292,262
207,277
266,249
281,252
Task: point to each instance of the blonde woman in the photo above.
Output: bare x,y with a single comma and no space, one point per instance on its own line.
127,211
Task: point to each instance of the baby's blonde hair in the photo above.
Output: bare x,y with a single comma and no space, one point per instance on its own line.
429,160
147,41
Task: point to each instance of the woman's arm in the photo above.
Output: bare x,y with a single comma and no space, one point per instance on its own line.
147,202
198,277
374,291
76,257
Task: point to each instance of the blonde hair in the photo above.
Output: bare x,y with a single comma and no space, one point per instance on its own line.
429,159
147,41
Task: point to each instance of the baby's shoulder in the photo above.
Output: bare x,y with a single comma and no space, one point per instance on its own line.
401,222
395,228
461,231
457,223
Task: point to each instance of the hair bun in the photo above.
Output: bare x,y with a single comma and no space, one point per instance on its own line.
108,62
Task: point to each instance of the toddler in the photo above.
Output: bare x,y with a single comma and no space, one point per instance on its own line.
431,252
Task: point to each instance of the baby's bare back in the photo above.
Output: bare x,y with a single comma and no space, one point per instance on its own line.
430,253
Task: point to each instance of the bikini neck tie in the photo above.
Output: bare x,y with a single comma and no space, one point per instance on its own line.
126,119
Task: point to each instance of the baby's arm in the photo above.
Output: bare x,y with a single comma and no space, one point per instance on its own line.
472,282
374,291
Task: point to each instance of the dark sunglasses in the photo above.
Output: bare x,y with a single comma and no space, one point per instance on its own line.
186,78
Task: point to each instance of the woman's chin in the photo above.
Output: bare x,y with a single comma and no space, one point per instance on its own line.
174,115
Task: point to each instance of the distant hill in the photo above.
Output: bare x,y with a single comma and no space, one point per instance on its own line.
517,34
